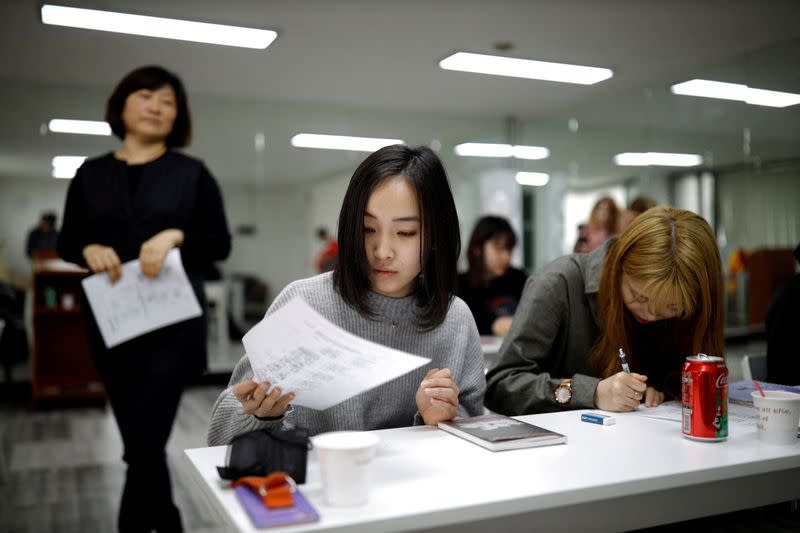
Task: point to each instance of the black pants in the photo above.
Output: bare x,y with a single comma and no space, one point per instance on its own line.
144,379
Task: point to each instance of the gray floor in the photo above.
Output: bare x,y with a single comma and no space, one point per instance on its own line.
61,468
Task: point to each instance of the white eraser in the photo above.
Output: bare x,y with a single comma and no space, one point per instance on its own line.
597,418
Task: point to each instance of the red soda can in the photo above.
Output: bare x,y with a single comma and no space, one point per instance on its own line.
704,384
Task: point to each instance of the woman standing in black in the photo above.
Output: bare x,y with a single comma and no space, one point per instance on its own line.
137,204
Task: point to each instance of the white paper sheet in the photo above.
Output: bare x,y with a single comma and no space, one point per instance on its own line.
741,415
297,349
136,304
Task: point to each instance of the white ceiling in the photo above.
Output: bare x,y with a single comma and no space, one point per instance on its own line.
373,66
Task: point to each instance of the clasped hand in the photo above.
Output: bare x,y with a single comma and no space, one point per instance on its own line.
437,397
624,392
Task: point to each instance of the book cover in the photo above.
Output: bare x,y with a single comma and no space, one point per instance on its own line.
739,391
498,432
263,517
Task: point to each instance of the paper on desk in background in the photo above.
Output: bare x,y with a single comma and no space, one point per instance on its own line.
136,304
671,411
297,349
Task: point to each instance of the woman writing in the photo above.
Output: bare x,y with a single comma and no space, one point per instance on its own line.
138,203
393,284
655,292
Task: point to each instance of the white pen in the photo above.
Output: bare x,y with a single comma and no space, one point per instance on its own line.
622,358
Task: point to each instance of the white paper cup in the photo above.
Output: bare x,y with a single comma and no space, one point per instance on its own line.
344,458
778,416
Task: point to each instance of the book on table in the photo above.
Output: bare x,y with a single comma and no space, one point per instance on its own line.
301,513
498,432
739,391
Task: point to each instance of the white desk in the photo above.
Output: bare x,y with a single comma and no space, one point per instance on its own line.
640,472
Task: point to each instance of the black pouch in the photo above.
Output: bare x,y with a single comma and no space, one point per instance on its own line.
261,452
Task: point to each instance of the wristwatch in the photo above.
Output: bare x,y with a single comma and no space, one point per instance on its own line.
563,393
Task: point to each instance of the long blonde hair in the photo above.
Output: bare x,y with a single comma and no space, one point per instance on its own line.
673,251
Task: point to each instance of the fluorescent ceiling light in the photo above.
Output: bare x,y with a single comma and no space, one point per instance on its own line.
341,142
735,91
524,68
646,159
86,127
65,166
535,179
502,150
182,30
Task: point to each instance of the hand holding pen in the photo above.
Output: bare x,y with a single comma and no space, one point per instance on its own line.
622,391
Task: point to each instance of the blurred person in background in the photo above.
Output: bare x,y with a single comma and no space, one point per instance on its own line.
492,287
44,236
638,205
603,221
325,260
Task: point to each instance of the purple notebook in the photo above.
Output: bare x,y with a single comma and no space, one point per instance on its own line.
261,516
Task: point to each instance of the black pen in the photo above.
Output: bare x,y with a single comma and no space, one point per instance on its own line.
622,358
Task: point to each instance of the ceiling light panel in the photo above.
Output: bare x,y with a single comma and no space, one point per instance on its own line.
182,30
663,159
341,142
502,150
84,127
525,68
65,166
533,179
735,91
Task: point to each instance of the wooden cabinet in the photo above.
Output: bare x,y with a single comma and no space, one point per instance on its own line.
61,361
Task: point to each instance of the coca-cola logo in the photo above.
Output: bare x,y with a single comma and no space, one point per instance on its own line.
722,380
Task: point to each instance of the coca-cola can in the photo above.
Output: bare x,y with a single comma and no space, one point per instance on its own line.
705,398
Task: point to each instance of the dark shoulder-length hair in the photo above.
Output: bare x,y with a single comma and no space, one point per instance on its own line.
440,243
486,229
151,78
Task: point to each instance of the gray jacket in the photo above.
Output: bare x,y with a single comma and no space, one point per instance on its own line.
550,339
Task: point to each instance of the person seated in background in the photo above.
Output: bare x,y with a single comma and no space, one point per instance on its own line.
325,259
655,292
783,318
603,222
582,242
43,237
394,284
492,287
638,205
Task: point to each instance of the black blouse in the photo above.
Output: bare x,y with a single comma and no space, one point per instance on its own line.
115,204
499,298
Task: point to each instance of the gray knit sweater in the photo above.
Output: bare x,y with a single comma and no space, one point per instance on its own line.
455,344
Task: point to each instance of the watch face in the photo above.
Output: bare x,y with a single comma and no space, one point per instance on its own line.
563,394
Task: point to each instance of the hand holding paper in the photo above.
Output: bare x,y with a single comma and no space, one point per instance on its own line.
156,248
258,400
300,351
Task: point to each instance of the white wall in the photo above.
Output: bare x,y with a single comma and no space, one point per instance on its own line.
325,202
277,252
